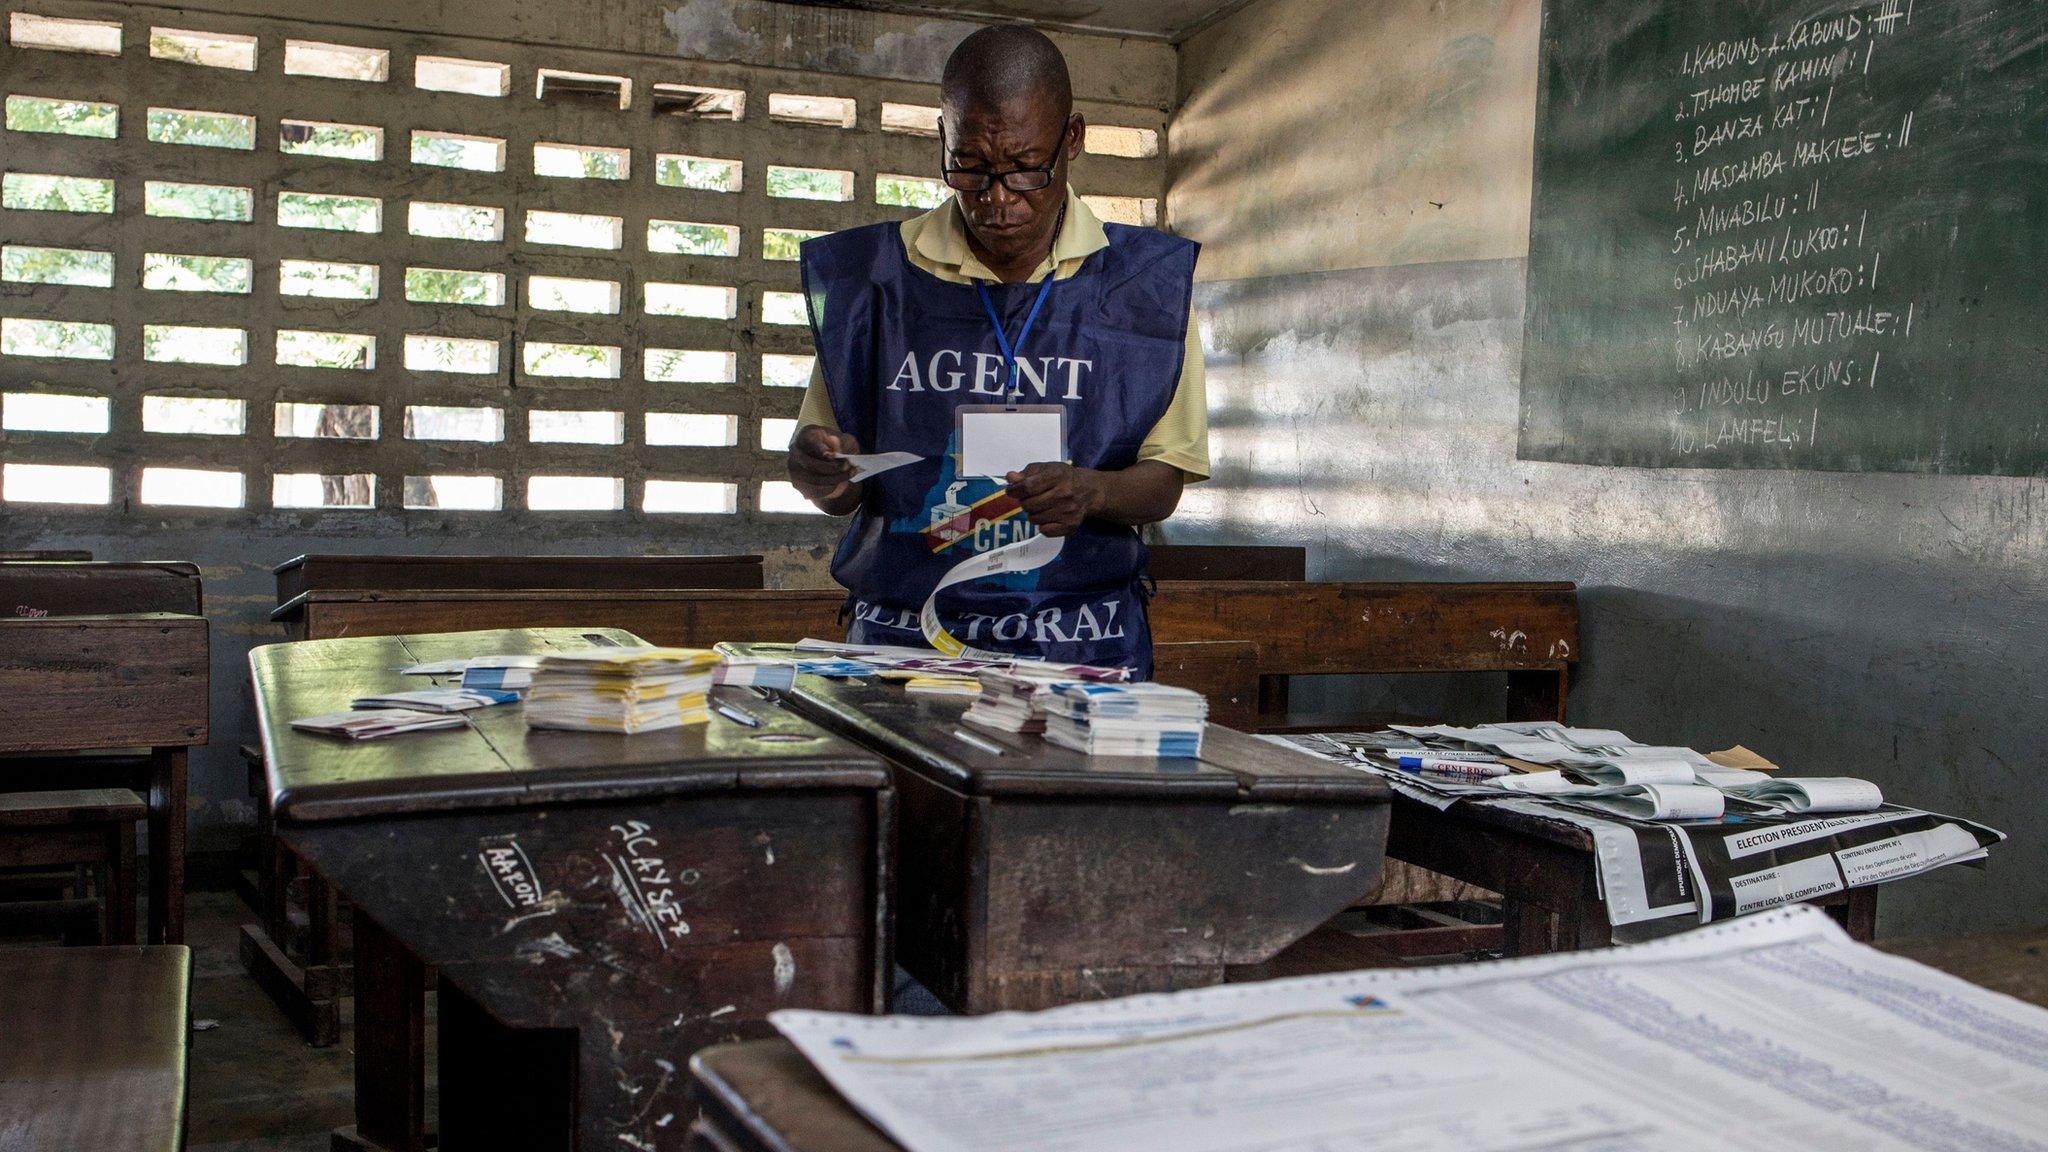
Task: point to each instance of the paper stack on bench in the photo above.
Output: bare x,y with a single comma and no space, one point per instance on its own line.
1145,719
1008,702
621,689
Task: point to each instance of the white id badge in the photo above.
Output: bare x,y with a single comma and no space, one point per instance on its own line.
996,440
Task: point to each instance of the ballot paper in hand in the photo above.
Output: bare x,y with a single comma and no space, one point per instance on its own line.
1812,794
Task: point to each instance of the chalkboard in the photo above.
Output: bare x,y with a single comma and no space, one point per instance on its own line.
1790,234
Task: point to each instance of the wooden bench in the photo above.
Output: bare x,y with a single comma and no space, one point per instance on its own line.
85,683
297,949
763,1096
86,827
94,1048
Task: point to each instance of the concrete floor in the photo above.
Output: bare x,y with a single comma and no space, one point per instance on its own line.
257,1087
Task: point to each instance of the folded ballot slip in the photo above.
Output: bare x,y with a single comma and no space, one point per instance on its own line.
379,722
1811,794
437,700
625,690
1144,719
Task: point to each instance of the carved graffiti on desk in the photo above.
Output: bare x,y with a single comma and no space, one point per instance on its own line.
517,881
642,881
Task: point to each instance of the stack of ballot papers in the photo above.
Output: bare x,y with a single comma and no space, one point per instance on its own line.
437,699
621,689
375,723
1144,719
1008,703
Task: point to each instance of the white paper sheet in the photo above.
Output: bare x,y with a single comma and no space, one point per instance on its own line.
1774,1031
876,463
999,443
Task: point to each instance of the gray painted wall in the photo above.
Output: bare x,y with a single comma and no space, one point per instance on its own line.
1881,625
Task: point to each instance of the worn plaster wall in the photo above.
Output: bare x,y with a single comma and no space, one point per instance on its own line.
1360,175
237,549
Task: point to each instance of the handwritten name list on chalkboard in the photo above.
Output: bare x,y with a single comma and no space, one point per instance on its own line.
1791,235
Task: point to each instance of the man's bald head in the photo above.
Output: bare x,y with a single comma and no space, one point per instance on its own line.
1000,65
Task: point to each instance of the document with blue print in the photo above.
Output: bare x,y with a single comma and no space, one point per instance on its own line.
1772,1031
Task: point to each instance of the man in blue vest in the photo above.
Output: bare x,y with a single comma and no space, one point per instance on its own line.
1011,293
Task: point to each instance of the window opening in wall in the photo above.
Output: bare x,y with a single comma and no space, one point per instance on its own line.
466,357
34,192
911,119
1134,210
572,427
699,103
206,49
575,493
691,430
566,294
910,191
810,183
331,213
574,229
686,366
202,129
78,267
698,173
53,412
587,361
57,34
465,77
823,111
684,496
557,86
194,415
330,279
336,61
453,150
308,421
335,141
782,496
784,370
171,272
192,344
476,222
299,348
776,434
784,243
454,493
687,238
783,308
63,117
582,161
442,422
1111,140
192,487
55,484
313,490
705,301
198,201
56,339
454,286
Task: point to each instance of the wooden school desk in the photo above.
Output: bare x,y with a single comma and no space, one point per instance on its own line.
763,1096
529,867
106,672
1041,876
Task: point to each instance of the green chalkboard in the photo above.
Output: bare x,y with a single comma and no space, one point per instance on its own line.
1790,234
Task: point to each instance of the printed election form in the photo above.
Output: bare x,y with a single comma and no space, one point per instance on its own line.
1774,1031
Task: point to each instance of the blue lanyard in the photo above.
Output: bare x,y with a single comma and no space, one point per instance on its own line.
1002,341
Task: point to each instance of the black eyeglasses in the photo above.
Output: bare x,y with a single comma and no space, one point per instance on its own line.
1015,179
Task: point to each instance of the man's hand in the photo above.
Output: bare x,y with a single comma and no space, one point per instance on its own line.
1057,497
818,473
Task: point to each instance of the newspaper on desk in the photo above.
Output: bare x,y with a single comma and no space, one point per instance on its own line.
1653,874
1774,1031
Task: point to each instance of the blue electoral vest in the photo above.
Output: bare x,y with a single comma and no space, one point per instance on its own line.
900,349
